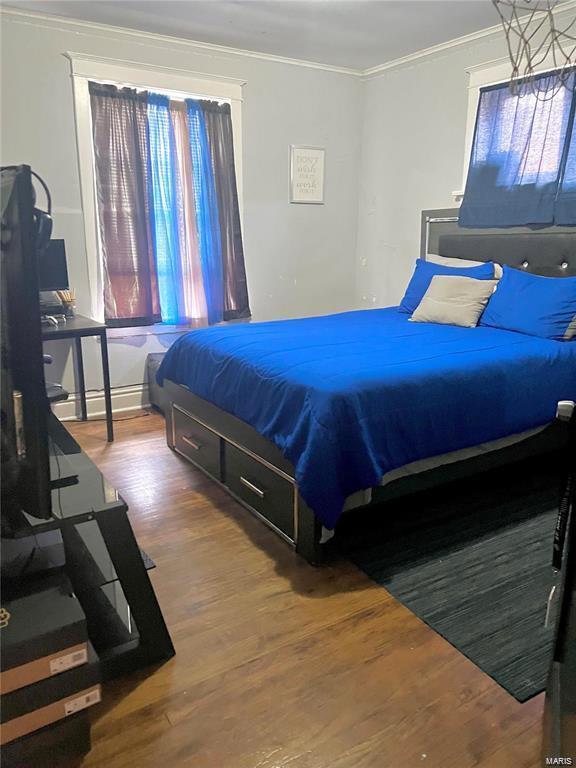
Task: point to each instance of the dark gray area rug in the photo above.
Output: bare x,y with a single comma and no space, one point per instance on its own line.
472,560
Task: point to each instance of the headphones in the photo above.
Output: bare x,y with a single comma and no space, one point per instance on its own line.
42,219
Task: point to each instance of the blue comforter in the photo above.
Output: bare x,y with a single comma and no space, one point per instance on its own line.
349,397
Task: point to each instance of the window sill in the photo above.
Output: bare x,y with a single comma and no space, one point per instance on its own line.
158,329
165,329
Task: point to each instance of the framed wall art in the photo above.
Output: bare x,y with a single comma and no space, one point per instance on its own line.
307,174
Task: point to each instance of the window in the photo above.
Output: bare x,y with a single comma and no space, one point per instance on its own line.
521,166
169,221
171,268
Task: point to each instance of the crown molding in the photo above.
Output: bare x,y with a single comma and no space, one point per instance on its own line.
78,62
373,72
456,42
480,67
59,22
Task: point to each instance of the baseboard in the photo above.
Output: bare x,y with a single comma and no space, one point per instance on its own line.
132,398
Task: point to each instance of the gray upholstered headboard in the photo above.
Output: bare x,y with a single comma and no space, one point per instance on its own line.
546,251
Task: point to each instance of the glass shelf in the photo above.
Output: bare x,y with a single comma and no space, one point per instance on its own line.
109,618
87,558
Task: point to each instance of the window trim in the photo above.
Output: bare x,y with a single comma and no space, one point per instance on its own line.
176,82
483,75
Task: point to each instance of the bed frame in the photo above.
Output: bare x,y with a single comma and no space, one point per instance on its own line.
254,471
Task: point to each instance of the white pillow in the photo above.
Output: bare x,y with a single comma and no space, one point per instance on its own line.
452,300
446,261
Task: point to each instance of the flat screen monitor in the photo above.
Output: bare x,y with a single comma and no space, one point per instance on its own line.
52,268
25,477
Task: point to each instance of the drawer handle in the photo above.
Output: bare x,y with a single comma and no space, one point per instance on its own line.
191,443
252,487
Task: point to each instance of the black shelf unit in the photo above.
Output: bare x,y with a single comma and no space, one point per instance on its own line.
105,566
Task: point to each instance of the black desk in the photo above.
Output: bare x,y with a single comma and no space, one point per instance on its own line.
76,328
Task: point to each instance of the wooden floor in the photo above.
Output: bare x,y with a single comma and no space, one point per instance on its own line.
279,664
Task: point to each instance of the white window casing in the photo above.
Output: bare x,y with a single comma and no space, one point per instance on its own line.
176,83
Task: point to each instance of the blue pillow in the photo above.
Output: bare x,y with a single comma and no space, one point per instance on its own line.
532,304
426,270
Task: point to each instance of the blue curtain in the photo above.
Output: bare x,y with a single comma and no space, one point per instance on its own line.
518,153
164,218
207,215
566,203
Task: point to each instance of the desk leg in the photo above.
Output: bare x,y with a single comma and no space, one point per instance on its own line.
107,392
81,382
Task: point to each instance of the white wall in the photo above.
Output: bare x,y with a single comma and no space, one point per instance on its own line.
299,258
412,157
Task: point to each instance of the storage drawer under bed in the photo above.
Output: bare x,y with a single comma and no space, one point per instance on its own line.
196,442
261,488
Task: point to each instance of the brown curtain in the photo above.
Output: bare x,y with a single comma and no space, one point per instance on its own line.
219,132
122,176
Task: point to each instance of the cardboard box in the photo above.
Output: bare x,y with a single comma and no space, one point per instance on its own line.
55,688
41,634
51,713
53,745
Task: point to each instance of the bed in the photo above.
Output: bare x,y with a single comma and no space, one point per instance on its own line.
303,419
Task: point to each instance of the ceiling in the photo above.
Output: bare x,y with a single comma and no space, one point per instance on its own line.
358,34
